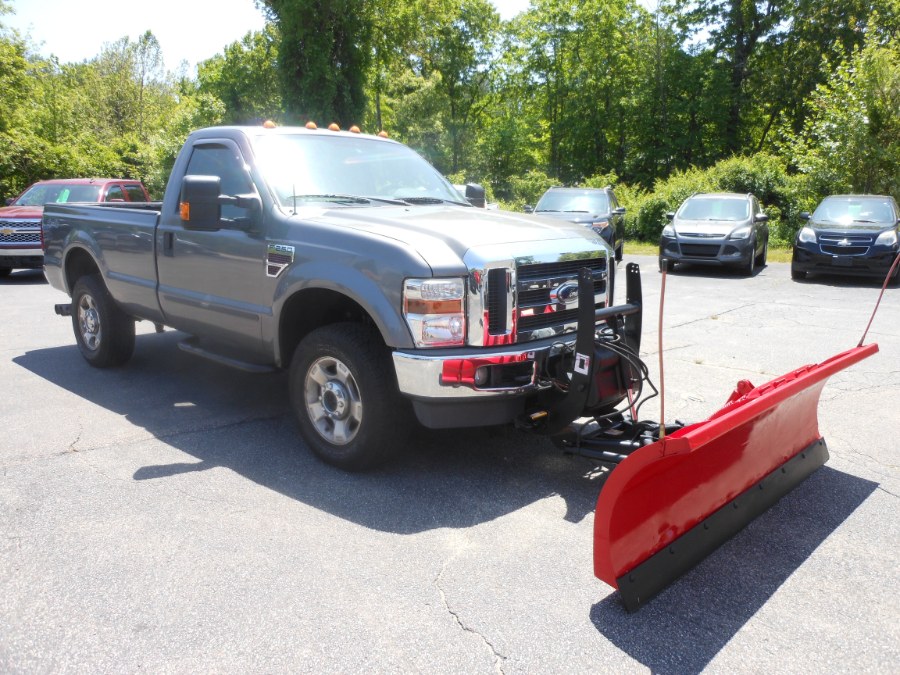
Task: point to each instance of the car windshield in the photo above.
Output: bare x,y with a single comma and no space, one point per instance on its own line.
46,193
349,170
715,209
849,210
574,201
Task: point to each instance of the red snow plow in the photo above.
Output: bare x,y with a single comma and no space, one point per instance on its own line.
675,493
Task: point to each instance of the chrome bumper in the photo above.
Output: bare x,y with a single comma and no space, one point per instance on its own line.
428,376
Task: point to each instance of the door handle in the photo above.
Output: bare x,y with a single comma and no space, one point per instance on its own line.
169,244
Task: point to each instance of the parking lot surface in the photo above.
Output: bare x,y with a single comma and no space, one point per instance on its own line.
165,517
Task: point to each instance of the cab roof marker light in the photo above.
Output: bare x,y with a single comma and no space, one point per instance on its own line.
311,125
334,127
383,134
354,129
269,124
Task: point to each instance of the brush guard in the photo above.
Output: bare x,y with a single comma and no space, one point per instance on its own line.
669,502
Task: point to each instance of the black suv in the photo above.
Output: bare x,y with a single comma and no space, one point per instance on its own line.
849,234
717,228
596,208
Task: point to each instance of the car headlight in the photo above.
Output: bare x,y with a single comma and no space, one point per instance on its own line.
888,238
741,232
434,311
600,225
668,231
807,235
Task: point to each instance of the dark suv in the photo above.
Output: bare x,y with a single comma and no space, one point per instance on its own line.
596,208
848,234
717,228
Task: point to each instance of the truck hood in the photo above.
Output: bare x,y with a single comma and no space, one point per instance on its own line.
707,227
443,234
29,212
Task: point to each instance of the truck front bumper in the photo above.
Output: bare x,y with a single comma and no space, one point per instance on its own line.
450,388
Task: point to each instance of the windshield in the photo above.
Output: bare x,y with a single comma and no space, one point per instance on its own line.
574,201
45,193
351,170
715,209
850,210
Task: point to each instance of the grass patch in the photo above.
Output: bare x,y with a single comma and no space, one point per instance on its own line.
777,254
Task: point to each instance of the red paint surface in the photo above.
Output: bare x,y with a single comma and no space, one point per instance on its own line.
663,490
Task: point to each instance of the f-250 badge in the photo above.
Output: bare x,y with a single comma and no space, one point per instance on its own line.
278,257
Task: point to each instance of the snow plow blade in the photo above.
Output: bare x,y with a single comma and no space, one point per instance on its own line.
671,503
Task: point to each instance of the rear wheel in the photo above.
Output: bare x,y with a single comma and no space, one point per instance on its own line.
344,395
104,333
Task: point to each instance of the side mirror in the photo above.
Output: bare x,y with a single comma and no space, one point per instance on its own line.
670,215
475,195
528,208
200,209
761,218
804,215
620,211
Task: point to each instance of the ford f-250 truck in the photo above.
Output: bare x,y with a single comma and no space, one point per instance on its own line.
346,259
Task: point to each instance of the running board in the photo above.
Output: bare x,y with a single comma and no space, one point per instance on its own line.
191,346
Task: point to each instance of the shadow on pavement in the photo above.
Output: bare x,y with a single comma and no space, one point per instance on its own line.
685,627
24,278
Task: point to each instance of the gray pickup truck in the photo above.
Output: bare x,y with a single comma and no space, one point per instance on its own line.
345,259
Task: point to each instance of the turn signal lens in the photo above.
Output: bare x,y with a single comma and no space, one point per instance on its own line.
435,312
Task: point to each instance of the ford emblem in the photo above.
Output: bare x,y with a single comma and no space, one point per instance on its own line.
565,294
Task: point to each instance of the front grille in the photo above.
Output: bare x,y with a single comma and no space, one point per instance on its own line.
844,250
535,308
5,222
498,285
700,250
21,238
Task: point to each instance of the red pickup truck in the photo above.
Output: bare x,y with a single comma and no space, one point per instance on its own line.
20,219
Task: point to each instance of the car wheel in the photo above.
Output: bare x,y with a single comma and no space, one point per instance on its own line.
670,265
749,267
797,274
344,395
620,252
763,255
5,272
104,333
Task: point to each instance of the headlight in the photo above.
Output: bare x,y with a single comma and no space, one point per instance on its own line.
888,238
741,232
668,231
807,236
434,311
600,225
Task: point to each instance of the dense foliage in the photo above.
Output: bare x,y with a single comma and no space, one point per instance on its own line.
789,99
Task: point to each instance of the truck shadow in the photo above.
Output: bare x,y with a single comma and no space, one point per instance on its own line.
243,422
685,627
24,278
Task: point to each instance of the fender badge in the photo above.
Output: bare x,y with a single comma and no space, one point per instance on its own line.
278,257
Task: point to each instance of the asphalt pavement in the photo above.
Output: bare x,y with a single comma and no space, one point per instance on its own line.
165,517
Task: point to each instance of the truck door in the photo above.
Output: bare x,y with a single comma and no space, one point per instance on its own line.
212,283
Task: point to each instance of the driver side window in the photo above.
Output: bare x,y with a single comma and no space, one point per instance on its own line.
220,160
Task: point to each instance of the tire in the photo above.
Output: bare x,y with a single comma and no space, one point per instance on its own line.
671,267
749,267
763,255
797,274
344,394
104,333
5,272
620,252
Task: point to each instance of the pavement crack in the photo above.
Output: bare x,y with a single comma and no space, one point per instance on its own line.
880,487
498,657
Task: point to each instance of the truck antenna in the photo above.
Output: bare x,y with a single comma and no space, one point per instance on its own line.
878,302
662,378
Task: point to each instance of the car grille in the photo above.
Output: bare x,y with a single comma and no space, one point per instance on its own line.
854,244
20,232
700,250
535,314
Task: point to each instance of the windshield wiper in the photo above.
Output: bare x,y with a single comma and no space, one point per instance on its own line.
431,200
332,197
575,211
860,220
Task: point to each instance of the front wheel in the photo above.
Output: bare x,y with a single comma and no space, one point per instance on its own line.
797,274
763,255
344,395
104,333
619,254
749,267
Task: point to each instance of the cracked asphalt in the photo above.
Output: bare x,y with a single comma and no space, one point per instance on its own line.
165,517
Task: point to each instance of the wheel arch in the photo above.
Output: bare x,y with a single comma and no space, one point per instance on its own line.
79,262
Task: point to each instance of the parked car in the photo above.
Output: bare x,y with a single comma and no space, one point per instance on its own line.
596,208
716,228
20,219
848,234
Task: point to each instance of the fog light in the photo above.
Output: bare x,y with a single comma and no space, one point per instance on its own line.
481,376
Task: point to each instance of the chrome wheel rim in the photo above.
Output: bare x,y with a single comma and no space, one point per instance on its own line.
332,400
89,322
